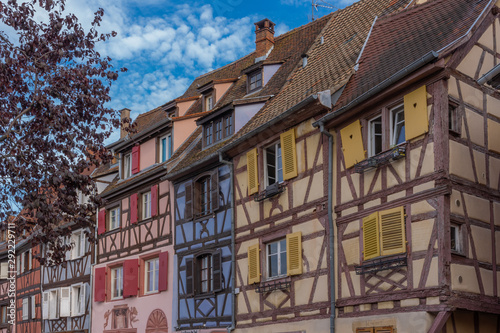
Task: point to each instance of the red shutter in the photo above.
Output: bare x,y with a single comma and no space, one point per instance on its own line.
101,222
154,200
136,159
163,273
133,208
130,277
100,284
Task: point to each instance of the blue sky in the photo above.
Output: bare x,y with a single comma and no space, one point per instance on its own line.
165,44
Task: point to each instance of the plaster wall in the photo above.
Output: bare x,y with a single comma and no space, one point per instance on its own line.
182,129
316,325
184,106
409,322
143,305
221,89
268,71
148,154
243,113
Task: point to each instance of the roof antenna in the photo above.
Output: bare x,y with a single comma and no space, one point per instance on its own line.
320,3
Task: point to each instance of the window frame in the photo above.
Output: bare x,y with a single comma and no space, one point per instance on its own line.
278,164
156,275
53,299
280,252
258,82
208,101
80,301
205,264
25,308
3,318
113,282
203,195
393,112
146,205
459,233
371,135
110,220
165,148
127,166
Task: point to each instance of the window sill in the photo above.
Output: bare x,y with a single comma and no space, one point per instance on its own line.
150,293
270,191
382,158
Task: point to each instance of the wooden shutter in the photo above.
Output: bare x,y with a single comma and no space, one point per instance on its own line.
83,298
189,277
392,231
83,243
371,248
25,309
294,253
154,200
188,195
33,307
383,330
416,119
101,222
352,144
214,188
45,305
100,284
130,277
65,302
217,270
163,273
253,264
364,330
136,157
288,154
252,172
133,208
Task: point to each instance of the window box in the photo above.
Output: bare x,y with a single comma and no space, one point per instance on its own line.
381,264
386,157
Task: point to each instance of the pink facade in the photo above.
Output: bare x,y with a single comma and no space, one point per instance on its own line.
148,154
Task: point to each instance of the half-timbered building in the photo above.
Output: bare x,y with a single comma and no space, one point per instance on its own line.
7,289
417,174
282,230
203,180
28,287
133,274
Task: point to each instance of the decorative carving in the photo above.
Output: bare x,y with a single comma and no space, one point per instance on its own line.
157,322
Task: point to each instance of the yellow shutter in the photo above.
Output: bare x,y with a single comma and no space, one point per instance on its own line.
352,144
364,330
288,154
294,253
416,119
252,172
253,264
371,247
383,330
392,231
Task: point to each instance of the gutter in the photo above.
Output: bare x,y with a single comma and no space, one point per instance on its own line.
488,76
233,252
431,56
330,223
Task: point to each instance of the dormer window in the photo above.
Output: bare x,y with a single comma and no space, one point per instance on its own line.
209,102
218,129
127,166
165,148
254,81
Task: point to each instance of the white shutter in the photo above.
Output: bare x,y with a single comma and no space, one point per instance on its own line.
67,241
65,303
83,297
83,243
18,264
33,307
53,304
74,246
30,258
25,309
4,270
45,305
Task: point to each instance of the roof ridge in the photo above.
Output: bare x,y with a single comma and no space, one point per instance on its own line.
407,11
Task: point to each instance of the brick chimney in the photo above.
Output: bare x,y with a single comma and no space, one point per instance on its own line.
124,113
264,37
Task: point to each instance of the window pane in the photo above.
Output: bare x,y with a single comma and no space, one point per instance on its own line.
273,265
271,165
398,124
163,149
279,164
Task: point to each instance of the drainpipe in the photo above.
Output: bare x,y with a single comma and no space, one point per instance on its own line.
233,254
330,223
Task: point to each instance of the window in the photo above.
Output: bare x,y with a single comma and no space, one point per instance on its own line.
276,258
65,302
78,296
116,282
375,136
151,275
274,167
25,308
33,307
24,262
387,329
204,273
209,102
78,244
146,205
228,125
456,239
114,218
127,166
218,130
204,197
3,310
254,80
283,257
4,270
453,122
208,134
53,304
384,233
165,148
397,125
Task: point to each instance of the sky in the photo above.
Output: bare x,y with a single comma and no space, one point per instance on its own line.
165,44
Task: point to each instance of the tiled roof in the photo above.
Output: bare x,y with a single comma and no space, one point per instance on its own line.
330,61
399,40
